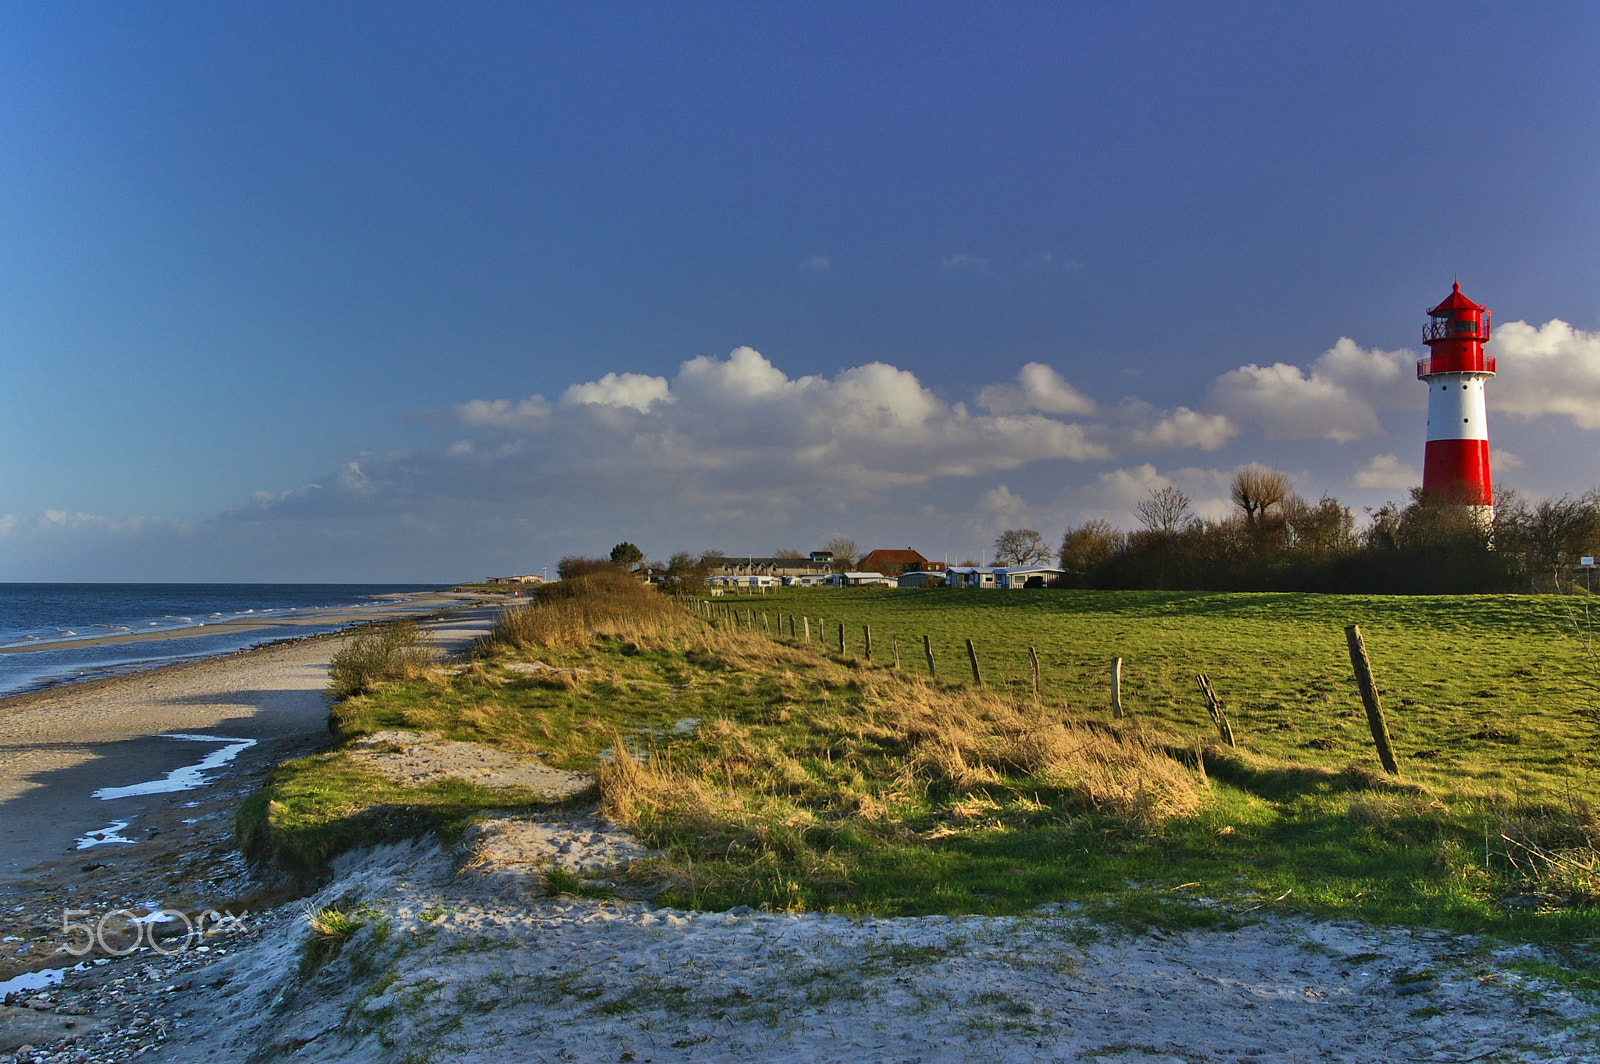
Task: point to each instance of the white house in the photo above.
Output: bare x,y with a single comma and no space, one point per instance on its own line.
859,580
979,576
1014,577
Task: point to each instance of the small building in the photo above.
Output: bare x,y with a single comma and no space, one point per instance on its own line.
970,576
920,579
751,582
805,580
1016,577
858,580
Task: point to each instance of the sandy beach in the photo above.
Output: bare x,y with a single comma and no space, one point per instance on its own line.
59,746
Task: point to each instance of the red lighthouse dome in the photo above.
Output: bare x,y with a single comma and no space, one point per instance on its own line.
1456,458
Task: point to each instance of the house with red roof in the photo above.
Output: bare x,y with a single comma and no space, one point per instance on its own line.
895,562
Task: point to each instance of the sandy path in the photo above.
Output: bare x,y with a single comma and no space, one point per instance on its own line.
59,746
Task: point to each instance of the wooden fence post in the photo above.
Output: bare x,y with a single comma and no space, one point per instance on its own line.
927,650
1369,698
866,642
806,621
972,656
1116,688
1214,706
841,639
1033,660
894,642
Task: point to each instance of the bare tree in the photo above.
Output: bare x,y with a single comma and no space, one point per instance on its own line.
1164,509
1020,546
1326,528
788,552
844,551
1257,488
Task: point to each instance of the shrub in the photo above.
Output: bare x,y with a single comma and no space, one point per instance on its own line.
374,654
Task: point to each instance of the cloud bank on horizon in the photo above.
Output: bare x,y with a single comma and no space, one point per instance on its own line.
734,453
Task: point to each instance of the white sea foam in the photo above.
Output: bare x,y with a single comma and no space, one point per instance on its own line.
108,834
188,777
40,980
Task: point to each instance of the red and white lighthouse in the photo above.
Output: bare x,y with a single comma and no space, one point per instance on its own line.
1456,460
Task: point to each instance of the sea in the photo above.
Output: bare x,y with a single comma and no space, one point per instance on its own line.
39,615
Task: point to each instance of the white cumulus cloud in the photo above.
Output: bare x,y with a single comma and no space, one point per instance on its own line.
1337,399
634,391
1386,472
1554,369
1037,388
1153,430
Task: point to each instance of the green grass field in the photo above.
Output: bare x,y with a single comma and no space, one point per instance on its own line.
815,780
1506,669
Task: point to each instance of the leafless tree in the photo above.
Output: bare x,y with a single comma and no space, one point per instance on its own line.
1164,509
788,552
1020,546
1326,528
1257,488
844,551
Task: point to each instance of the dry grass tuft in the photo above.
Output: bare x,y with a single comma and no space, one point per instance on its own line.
969,739
1554,850
599,605
633,793
1382,810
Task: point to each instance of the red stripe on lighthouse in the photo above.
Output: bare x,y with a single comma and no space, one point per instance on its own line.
1458,466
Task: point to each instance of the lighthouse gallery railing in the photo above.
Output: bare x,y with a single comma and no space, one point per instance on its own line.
1425,366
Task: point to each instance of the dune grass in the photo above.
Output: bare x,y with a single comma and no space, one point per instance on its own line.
786,775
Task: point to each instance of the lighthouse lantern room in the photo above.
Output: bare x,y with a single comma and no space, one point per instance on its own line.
1456,459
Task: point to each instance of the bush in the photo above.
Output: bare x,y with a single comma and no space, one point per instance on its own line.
374,654
603,603
574,566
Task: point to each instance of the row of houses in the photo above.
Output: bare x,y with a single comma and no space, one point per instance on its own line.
821,564
980,577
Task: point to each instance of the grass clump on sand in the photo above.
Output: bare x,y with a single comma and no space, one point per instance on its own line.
379,653
331,928
770,771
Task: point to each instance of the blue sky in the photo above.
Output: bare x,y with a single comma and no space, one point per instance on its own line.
425,292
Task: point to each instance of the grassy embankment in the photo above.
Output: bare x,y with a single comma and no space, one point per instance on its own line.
817,780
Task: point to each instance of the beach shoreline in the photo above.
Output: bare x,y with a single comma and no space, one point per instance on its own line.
42,666
62,744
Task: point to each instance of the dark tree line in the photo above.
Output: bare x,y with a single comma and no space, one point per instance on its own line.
1280,542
